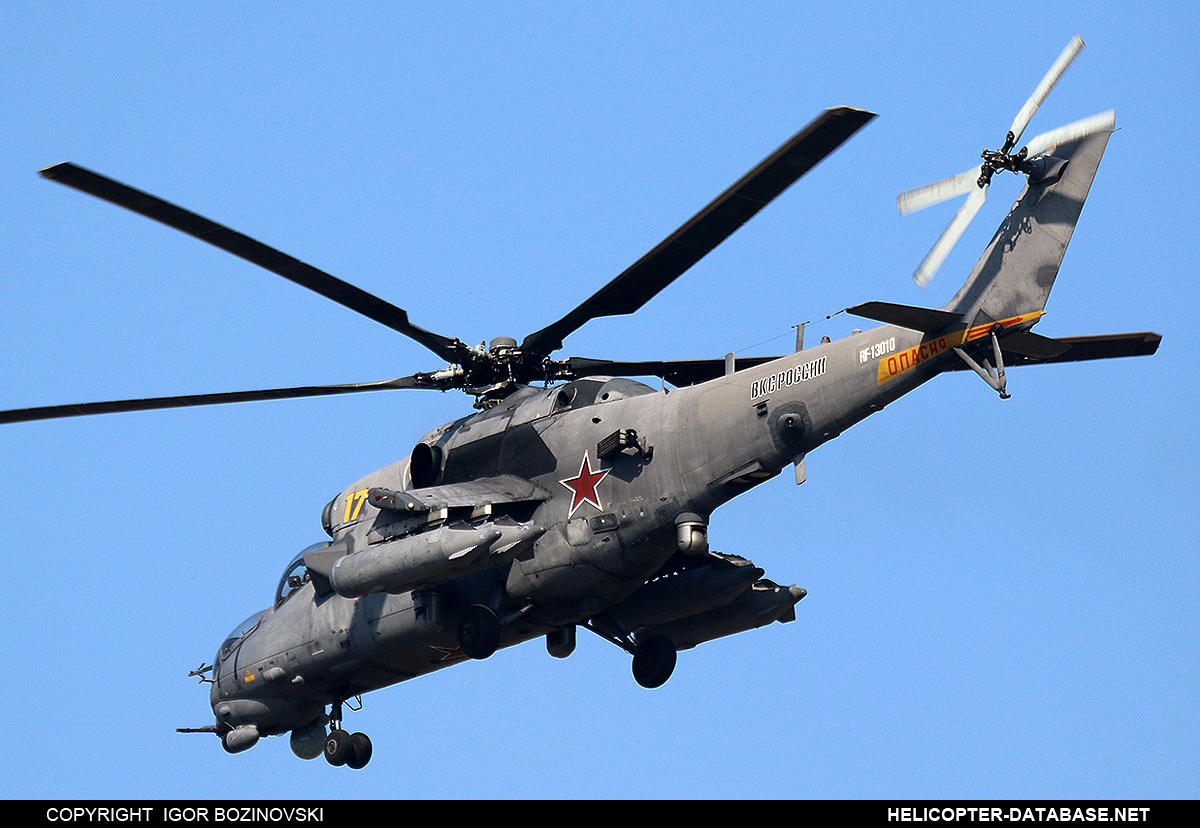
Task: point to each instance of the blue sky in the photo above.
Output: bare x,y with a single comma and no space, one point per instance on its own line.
1002,594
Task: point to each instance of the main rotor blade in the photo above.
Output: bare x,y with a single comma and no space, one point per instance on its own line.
51,412
708,228
1082,128
941,248
253,251
919,198
1043,88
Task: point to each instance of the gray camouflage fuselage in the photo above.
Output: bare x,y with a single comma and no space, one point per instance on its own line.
701,446
606,477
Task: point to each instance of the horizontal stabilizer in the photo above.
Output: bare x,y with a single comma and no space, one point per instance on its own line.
1077,348
925,320
1033,346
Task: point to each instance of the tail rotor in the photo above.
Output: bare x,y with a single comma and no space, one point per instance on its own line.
1030,160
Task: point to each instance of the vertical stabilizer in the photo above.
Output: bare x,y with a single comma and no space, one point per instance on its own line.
1016,272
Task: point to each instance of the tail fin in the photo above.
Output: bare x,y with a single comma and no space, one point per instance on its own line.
1016,272
1013,278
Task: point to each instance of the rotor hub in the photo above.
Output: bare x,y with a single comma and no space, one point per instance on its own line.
502,345
1003,159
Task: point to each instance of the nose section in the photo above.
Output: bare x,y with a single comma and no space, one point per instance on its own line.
243,721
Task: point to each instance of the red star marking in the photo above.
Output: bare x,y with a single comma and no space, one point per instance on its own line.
447,653
584,486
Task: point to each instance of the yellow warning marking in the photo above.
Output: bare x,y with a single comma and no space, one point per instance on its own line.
896,364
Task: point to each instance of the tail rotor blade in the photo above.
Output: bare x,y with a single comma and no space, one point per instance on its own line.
1103,122
998,160
919,198
1043,88
950,236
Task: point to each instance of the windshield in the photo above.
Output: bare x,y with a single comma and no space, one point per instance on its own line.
239,633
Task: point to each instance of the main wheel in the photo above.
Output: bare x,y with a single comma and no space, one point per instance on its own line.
654,661
339,747
478,631
361,751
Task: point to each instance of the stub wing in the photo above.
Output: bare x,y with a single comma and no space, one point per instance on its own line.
484,491
426,536
708,597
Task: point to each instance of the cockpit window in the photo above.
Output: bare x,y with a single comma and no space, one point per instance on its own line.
239,633
296,575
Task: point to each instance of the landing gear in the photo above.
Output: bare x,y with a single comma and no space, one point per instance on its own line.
341,748
350,749
338,747
995,378
653,658
654,661
478,631
361,746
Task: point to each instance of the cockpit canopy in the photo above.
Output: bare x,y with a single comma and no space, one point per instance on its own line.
295,575
240,632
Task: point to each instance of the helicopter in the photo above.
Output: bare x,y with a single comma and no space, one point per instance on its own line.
575,496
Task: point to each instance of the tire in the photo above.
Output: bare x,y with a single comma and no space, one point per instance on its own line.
478,631
654,661
339,747
361,751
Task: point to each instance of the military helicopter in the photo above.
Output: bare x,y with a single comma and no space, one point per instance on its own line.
577,497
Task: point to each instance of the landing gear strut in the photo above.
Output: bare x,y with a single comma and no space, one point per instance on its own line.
341,748
994,378
653,658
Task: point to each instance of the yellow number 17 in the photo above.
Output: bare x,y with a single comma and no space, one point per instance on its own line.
354,504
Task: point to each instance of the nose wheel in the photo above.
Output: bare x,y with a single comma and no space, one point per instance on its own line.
350,749
342,748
